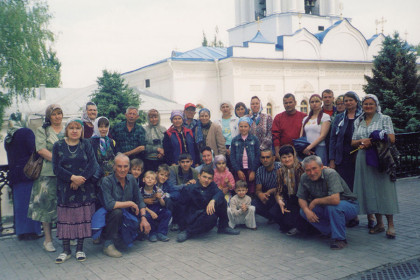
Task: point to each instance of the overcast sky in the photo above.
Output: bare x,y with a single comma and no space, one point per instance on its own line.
124,35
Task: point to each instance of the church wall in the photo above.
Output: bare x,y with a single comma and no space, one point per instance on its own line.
160,76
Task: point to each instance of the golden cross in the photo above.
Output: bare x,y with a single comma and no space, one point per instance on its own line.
258,23
382,21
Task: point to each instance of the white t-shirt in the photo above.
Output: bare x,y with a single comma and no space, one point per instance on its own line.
313,130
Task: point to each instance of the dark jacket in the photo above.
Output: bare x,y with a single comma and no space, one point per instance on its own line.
195,199
338,128
252,146
173,146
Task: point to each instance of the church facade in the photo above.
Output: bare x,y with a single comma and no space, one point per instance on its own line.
277,47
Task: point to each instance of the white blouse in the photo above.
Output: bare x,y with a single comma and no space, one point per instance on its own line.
313,130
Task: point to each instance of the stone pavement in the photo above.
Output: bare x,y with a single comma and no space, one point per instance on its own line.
262,254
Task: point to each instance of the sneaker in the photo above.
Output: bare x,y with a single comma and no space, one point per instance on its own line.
228,230
338,244
292,232
153,238
73,242
112,252
48,246
62,257
174,227
80,256
162,237
182,236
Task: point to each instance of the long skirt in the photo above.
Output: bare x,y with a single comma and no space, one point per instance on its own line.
21,196
375,191
43,202
74,220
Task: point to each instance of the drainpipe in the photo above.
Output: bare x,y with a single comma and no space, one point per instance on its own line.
42,94
219,93
171,97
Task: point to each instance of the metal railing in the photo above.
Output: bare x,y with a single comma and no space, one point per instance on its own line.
408,144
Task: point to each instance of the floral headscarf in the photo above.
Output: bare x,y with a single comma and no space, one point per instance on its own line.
255,117
104,142
245,119
375,98
289,177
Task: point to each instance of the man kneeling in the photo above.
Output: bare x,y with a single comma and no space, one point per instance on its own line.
203,203
326,201
120,192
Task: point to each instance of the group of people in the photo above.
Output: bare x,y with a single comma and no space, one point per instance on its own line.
134,182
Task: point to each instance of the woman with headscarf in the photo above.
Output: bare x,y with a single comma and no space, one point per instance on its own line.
43,202
103,146
261,124
241,110
90,112
154,141
288,178
375,191
340,141
315,127
178,140
74,164
209,134
19,145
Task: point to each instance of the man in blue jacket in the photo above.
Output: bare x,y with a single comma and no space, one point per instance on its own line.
204,203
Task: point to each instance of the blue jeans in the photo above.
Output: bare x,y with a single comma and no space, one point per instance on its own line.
321,151
333,218
161,223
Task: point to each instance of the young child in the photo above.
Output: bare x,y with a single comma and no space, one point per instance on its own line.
240,210
157,214
222,176
245,154
136,169
170,193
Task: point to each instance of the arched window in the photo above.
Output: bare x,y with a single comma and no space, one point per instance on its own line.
269,109
304,106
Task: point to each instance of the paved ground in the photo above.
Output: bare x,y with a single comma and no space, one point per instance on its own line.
262,254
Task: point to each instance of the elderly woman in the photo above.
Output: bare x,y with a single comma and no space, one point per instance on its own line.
74,164
315,127
154,141
178,140
209,134
261,124
375,191
43,202
19,145
228,123
241,110
90,112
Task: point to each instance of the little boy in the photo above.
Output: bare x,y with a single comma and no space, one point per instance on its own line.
136,169
157,214
240,210
170,193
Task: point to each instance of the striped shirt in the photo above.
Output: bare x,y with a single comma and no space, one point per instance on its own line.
268,179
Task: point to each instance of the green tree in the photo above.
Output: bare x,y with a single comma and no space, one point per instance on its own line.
396,84
114,96
26,59
204,43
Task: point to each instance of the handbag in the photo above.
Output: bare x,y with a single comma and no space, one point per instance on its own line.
33,167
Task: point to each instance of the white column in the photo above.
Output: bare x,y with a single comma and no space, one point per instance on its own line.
244,11
292,6
300,6
251,10
237,12
269,7
331,8
276,6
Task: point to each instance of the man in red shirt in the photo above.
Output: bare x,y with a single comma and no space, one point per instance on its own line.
287,125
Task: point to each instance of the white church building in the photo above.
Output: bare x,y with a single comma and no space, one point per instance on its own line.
277,47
